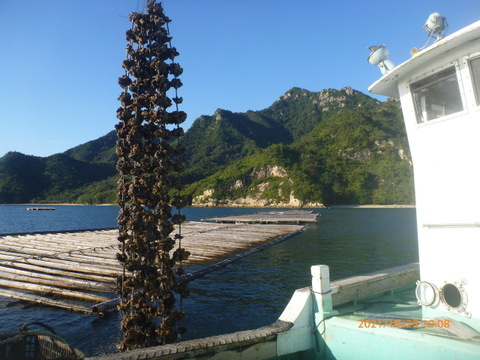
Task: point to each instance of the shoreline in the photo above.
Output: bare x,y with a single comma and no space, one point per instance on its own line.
58,204
371,206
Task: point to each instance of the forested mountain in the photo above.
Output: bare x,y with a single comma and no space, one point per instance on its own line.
306,149
57,178
101,150
351,150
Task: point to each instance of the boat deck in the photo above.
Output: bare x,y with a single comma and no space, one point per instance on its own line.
396,309
391,323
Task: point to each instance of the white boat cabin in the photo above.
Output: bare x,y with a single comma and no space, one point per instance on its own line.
439,90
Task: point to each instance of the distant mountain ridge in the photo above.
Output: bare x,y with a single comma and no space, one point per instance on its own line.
56,178
346,148
306,149
101,150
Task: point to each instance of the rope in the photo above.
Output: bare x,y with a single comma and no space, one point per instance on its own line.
320,293
176,101
9,337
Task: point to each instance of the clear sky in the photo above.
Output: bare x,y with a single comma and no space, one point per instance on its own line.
60,60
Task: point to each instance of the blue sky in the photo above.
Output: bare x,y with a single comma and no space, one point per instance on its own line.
60,60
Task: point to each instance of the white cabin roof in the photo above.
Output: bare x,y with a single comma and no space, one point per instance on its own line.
388,84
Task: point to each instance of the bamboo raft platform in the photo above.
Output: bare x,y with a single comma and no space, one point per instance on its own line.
77,270
270,217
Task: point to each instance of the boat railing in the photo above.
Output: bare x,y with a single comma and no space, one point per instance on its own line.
357,287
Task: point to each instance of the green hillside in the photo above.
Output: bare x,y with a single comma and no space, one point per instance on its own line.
56,178
215,141
307,148
351,156
101,150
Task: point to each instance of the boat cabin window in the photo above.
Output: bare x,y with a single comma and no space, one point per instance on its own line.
437,95
475,71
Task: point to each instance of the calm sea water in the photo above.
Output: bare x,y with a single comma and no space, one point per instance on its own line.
247,294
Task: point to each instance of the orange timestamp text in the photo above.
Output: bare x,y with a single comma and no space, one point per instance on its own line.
400,324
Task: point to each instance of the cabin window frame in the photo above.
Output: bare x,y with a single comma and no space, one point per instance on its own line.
431,84
474,76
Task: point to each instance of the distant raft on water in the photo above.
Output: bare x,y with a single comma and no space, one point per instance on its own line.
41,208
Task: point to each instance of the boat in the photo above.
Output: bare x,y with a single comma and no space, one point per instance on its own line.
429,309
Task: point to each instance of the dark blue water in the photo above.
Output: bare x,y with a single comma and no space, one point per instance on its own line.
247,294
16,218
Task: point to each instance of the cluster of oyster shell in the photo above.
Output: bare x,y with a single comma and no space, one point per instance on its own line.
149,153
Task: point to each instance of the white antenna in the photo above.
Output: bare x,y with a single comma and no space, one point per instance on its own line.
379,56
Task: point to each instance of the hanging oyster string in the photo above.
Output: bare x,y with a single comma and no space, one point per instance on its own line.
149,163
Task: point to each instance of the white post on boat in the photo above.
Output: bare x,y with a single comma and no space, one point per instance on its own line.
322,294
321,287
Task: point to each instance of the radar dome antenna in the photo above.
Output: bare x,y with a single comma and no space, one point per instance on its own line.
379,56
435,25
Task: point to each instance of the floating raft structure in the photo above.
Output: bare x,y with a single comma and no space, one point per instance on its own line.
270,217
77,270
41,208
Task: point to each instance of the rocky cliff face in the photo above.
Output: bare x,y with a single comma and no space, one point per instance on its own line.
257,203
259,183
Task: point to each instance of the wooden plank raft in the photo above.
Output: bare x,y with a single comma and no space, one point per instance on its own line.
270,217
69,269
